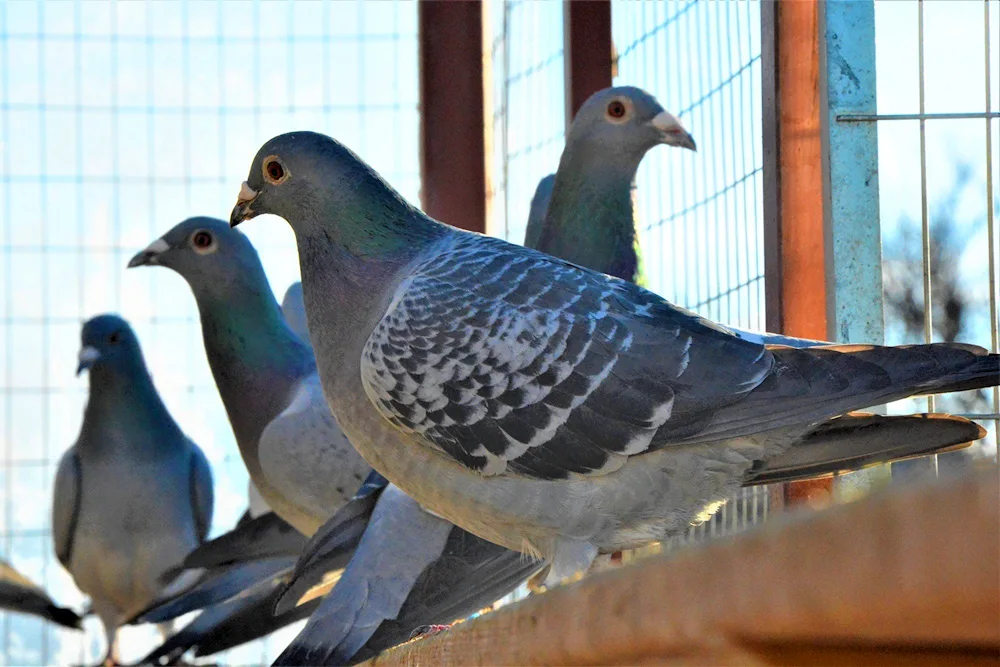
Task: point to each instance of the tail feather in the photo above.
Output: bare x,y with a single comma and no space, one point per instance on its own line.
267,536
858,440
219,585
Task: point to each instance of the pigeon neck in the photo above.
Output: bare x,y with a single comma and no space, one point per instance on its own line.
591,217
126,404
346,294
255,359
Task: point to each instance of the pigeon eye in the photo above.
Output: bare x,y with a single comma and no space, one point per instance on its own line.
202,239
115,337
274,172
616,110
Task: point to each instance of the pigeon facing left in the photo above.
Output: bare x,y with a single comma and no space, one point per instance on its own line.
133,495
545,407
19,594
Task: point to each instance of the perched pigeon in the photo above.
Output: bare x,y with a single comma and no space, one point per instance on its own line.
545,407
297,455
592,220
18,593
133,495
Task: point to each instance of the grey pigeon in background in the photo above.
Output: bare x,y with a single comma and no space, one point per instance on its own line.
20,594
546,407
133,495
592,218
294,311
297,455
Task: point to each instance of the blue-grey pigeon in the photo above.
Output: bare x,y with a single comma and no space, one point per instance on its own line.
549,408
592,220
133,495
297,455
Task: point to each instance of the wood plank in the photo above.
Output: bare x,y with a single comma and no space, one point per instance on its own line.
908,576
452,118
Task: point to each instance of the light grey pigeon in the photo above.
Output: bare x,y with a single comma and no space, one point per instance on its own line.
546,407
294,311
133,495
296,453
20,594
297,456
592,220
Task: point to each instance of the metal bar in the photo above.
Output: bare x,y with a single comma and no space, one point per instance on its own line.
452,122
587,51
872,117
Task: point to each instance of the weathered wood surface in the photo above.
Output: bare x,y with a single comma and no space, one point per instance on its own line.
908,577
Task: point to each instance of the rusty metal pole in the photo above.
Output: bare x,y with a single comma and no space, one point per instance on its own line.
795,255
587,51
452,117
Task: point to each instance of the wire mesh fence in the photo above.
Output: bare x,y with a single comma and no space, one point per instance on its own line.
529,118
118,120
938,119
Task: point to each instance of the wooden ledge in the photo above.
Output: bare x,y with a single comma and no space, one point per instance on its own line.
911,576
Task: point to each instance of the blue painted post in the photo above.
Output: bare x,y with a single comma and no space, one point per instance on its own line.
851,174
854,241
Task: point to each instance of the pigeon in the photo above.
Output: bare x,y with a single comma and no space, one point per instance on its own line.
133,495
297,455
19,594
593,219
545,407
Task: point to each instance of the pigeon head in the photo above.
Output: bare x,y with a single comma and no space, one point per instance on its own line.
299,173
207,252
107,343
320,187
625,121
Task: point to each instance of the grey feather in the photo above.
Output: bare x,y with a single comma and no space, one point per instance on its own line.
294,311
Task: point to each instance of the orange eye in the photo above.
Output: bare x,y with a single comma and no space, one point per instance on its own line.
202,240
616,109
274,170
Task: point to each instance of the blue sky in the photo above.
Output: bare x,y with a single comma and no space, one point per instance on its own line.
117,121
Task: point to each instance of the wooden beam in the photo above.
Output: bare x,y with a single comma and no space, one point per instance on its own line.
910,576
794,235
452,127
587,51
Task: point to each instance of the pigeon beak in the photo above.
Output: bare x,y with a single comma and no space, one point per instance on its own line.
88,357
150,255
673,131
244,205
